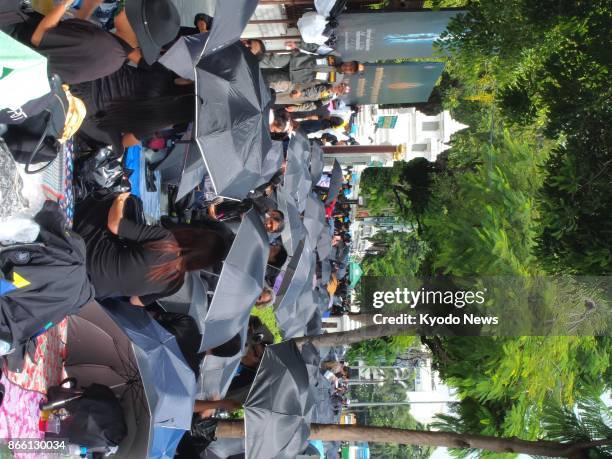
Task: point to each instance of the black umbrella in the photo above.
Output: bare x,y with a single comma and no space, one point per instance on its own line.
294,230
324,243
230,20
273,161
316,162
295,277
314,218
231,126
232,101
120,346
240,283
279,406
335,182
191,299
216,373
297,181
292,319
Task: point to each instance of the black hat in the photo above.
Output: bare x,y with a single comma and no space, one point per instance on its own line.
155,22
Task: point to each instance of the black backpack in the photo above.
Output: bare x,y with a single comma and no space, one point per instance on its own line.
98,419
46,280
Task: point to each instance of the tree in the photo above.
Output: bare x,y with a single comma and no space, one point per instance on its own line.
334,432
405,186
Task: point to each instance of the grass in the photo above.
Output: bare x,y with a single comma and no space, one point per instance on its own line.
267,317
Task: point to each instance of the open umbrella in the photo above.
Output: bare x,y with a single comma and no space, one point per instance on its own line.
314,218
335,182
273,161
324,243
296,276
314,326
231,126
316,162
293,319
294,230
297,181
184,54
355,273
120,346
326,271
216,373
279,405
230,20
240,283
232,100
300,145
191,299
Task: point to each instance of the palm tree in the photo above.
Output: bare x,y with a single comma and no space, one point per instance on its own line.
336,432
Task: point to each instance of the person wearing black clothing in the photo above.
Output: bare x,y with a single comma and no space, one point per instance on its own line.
126,258
78,50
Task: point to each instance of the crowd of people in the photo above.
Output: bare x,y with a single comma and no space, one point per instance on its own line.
131,99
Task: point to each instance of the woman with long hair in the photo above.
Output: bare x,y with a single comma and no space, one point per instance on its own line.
143,262
128,121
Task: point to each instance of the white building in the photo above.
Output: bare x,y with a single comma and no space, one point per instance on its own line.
419,134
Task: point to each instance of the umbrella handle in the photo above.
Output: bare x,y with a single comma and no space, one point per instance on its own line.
58,403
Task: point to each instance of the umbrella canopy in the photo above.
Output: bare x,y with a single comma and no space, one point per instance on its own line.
191,299
216,373
326,271
324,243
335,182
231,126
295,277
240,283
314,326
294,231
279,406
297,181
120,345
292,319
316,162
230,20
273,161
184,54
299,145
314,218
355,273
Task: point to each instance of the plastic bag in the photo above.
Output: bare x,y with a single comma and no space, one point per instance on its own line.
311,26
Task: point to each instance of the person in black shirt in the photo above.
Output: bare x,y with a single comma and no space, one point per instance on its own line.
126,258
78,50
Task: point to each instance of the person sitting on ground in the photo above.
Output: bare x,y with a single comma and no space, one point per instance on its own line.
78,50
142,262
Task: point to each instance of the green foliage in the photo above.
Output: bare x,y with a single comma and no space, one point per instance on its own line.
589,420
543,69
403,189
269,320
507,384
482,220
380,351
398,254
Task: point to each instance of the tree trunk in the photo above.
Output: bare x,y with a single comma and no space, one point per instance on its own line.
356,336
335,432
